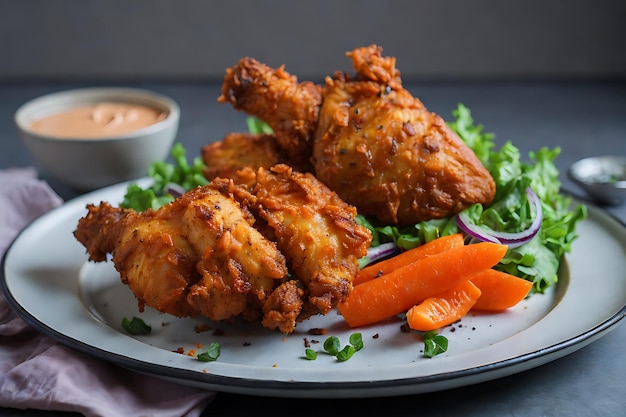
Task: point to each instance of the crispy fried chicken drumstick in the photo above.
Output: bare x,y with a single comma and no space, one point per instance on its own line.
381,150
276,97
198,255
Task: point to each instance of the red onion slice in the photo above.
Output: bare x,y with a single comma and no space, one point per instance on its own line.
381,251
175,190
510,239
478,232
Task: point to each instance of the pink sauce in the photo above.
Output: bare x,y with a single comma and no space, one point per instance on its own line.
98,121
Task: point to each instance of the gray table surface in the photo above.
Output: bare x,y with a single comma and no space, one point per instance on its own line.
583,118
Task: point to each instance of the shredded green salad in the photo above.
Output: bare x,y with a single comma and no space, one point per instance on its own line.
537,260
169,180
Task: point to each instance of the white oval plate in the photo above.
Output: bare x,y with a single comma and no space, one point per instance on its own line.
50,284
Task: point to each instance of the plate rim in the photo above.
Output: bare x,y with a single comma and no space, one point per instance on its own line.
325,389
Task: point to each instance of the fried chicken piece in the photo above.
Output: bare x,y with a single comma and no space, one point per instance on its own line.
276,97
153,259
314,229
382,151
199,255
99,229
239,155
239,267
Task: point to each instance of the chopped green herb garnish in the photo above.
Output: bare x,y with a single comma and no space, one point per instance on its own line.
180,173
332,345
210,355
136,326
310,354
434,344
356,340
346,353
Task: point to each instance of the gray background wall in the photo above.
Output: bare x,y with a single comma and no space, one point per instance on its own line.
442,39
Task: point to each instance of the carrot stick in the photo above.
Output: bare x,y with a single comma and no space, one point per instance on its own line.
401,289
500,290
427,249
444,308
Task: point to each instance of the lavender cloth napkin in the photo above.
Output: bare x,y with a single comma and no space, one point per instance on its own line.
38,373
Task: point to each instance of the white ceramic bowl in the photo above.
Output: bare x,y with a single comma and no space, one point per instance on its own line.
90,163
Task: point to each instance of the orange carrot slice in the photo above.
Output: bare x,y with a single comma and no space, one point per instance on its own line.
427,249
401,289
444,308
500,290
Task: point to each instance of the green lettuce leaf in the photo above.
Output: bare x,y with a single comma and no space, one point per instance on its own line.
180,172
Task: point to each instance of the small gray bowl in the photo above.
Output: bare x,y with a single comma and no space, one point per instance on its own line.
602,177
86,164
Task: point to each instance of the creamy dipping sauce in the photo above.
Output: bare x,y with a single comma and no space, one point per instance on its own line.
97,121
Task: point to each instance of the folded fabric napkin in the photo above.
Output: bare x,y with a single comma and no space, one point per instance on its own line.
36,372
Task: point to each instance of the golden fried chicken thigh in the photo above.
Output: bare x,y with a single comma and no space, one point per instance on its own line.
153,259
199,255
314,229
382,151
276,97
239,268
238,156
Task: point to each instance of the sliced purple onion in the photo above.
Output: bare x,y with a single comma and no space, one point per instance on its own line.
381,251
175,190
474,231
510,239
